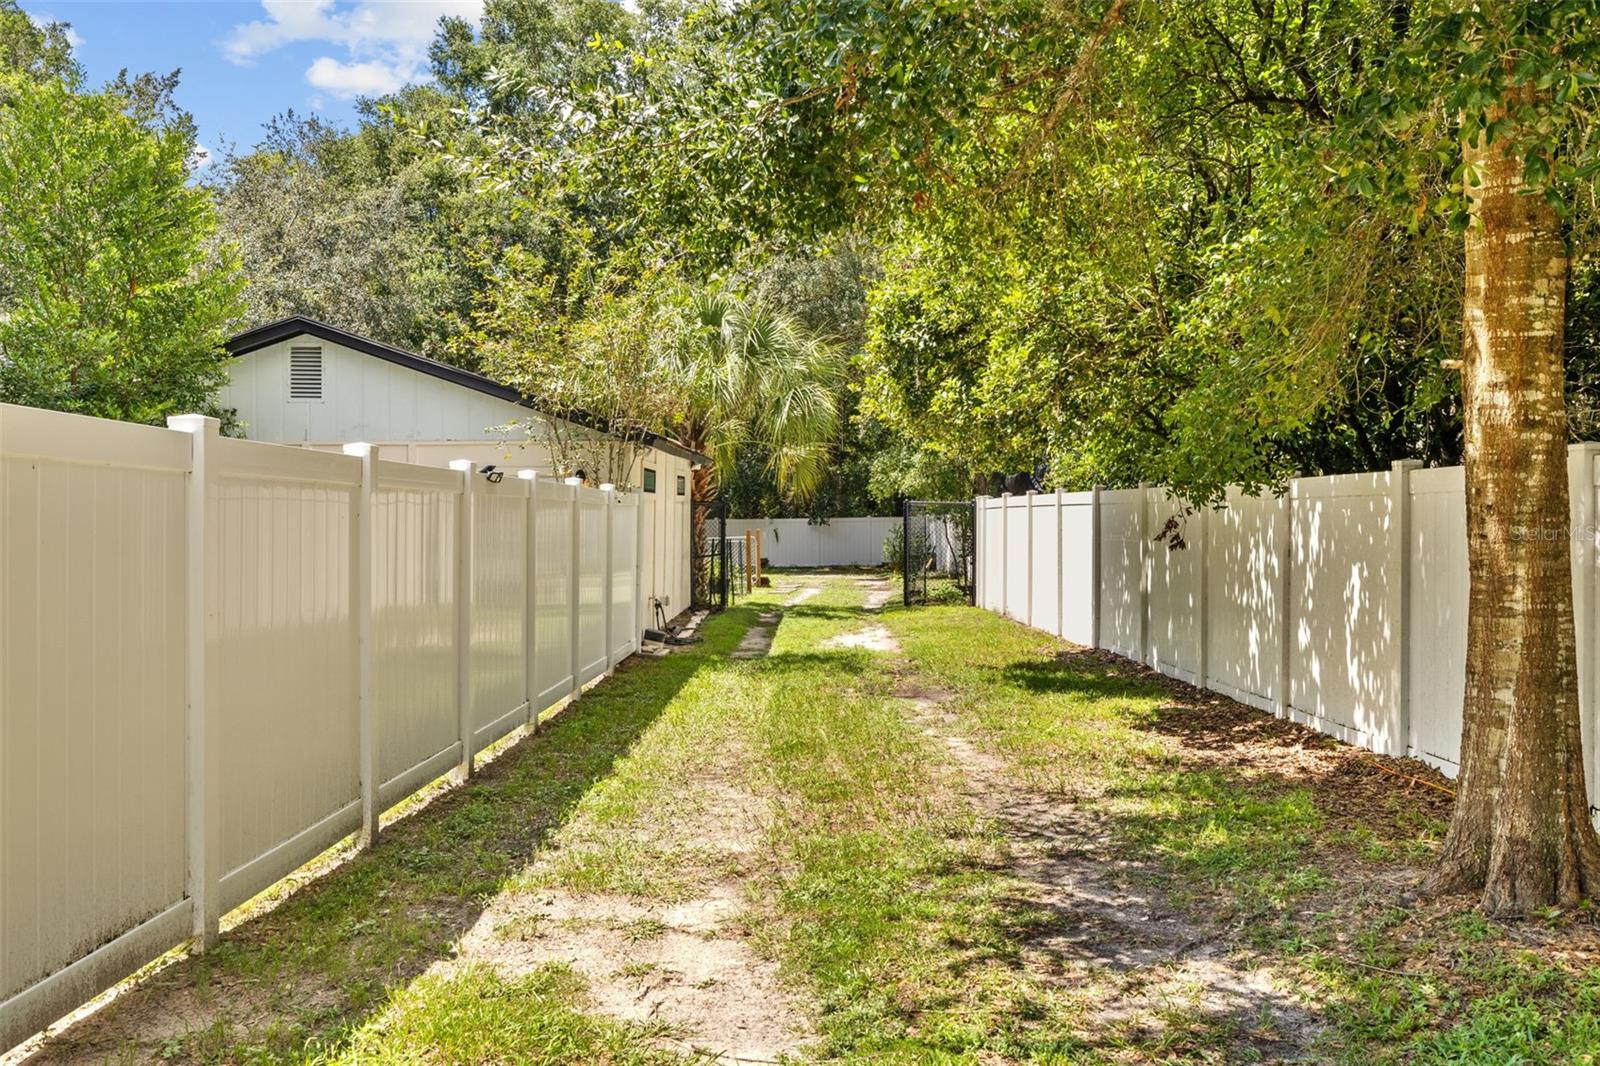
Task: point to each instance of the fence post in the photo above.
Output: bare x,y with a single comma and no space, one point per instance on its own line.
1400,608
464,524
1094,569
609,584
1146,561
980,546
905,553
530,600
204,807
1028,517
1005,554
643,613
1202,599
576,584
361,610
1284,593
1061,535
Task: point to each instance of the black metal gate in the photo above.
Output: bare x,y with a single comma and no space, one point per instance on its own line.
936,551
709,554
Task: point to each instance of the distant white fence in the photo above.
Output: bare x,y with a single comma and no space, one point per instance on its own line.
219,657
837,542
1341,605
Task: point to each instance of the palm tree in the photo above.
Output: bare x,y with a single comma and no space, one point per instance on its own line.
752,376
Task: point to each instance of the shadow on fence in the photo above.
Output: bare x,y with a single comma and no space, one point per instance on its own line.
299,978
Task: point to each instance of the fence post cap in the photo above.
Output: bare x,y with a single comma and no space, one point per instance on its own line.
573,481
463,464
359,448
526,474
193,423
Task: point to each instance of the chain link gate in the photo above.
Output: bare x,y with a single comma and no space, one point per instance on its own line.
937,551
709,555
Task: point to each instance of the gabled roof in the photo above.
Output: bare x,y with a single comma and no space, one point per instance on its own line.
299,325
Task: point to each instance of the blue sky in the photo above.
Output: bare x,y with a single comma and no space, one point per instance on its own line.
244,62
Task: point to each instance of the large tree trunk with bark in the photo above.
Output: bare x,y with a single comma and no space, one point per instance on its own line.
1520,831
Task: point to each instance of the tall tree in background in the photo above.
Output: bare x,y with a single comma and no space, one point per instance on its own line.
587,347
824,288
753,377
111,303
1256,300
357,229
33,50
383,229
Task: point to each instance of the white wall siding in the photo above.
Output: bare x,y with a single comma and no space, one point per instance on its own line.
664,549
236,653
364,398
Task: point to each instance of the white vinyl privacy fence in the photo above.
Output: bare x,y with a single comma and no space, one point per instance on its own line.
219,657
1341,605
837,542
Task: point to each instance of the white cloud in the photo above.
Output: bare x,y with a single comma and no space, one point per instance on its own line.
353,79
385,42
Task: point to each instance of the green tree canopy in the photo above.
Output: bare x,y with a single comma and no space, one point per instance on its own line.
110,302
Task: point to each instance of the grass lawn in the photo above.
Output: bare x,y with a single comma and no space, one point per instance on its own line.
905,836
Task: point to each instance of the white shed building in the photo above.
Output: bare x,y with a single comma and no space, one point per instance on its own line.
303,382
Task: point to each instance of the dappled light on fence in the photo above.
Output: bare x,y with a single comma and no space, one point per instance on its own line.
1341,604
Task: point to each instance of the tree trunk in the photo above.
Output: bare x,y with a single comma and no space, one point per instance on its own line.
702,490
702,483
1520,831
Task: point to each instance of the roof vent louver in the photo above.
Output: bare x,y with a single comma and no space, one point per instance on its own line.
305,373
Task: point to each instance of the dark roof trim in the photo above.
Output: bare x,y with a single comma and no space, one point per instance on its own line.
296,325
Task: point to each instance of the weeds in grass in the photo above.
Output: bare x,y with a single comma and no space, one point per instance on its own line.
883,891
